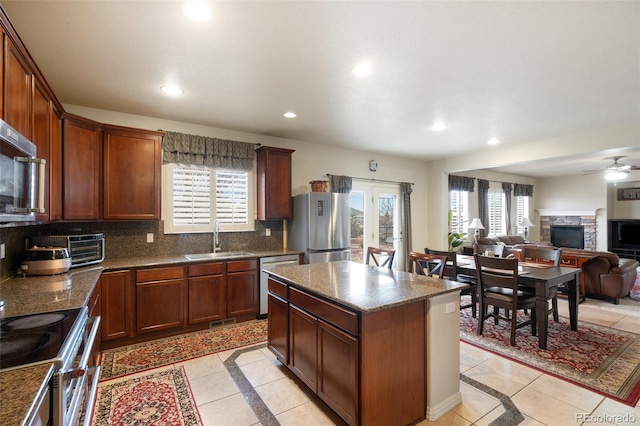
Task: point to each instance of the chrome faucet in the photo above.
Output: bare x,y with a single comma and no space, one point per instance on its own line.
216,236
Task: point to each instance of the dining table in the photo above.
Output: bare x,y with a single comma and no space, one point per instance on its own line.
544,279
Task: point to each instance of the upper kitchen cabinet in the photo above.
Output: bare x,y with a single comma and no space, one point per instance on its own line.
81,159
17,83
274,183
110,172
132,173
41,136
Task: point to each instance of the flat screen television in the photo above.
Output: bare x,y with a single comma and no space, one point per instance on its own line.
625,234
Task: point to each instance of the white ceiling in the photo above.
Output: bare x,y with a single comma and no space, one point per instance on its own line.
518,71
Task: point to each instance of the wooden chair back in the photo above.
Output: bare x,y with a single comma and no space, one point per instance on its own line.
451,268
496,273
380,257
542,255
431,265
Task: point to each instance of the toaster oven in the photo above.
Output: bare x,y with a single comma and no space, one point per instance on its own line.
84,249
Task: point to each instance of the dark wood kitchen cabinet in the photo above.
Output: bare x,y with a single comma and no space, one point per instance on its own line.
41,136
242,289
274,183
95,310
207,291
17,83
132,173
160,299
82,160
116,293
55,166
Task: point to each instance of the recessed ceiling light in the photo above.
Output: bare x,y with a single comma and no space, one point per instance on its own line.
438,127
197,10
362,70
290,114
493,141
172,90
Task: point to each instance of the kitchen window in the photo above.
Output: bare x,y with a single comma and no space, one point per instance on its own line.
195,196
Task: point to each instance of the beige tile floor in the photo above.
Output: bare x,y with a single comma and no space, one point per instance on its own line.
541,399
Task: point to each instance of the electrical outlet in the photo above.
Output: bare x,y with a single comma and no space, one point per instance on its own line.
267,232
149,237
2,252
450,308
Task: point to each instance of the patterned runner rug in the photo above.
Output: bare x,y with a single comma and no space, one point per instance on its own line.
602,359
157,353
159,398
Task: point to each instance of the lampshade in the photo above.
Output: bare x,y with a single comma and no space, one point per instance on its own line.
476,224
615,174
526,222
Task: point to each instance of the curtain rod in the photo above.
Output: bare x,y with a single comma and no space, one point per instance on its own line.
372,179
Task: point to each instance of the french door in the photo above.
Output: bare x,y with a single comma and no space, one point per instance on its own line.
375,219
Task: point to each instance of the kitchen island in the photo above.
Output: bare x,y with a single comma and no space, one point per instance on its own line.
378,346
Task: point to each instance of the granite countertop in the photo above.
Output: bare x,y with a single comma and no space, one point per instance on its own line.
17,390
362,287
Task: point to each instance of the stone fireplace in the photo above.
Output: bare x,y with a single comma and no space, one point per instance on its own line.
569,221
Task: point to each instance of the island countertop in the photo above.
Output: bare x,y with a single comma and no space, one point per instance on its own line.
362,287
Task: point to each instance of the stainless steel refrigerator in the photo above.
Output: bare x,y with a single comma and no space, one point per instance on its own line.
321,226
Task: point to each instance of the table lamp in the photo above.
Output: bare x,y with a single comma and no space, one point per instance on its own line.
526,223
477,225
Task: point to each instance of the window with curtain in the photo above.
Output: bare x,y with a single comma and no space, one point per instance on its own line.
522,211
459,206
496,205
195,196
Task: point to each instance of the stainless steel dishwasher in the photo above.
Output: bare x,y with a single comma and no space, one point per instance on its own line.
266,263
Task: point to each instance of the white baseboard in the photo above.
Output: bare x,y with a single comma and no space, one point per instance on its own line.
435,412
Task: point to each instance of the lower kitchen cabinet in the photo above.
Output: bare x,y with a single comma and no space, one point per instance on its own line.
278,338
242,288
206,292
303,346
116,304
160,299
94,311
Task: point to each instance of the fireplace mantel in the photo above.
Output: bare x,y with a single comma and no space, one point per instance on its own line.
565,212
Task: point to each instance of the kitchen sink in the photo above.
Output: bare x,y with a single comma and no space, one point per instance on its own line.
218,255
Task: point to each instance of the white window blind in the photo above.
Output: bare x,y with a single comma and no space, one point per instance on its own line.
522,211
195,196
459,210
191,196
496,213
232,196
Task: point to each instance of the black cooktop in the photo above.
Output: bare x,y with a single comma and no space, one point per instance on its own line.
32,338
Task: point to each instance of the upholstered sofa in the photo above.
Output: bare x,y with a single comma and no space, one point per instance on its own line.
605,274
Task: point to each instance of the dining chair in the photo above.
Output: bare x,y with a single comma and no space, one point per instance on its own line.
497,249
451,272
544,255
380,257
431,265
498,287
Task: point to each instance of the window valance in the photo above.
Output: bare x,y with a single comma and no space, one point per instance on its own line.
183,148
522,190
461,183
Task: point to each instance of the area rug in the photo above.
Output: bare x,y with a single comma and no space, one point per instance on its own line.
159,398
602,359
144,356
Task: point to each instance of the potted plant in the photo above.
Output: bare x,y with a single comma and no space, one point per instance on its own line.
455,239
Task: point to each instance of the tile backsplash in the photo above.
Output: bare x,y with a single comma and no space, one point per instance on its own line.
129,239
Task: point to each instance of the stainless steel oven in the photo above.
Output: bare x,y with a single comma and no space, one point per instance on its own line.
66,339
21,177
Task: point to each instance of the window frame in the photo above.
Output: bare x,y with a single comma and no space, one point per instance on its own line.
492,196
167,202
460,216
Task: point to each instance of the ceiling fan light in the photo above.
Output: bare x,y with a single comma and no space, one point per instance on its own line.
615,174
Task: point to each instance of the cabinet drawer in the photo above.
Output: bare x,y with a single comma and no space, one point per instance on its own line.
329,312
276,287
206,269
242,265
569,261
156,274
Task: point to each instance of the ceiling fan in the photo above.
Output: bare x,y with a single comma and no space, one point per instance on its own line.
615,171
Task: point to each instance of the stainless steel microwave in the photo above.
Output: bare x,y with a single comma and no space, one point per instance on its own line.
22,183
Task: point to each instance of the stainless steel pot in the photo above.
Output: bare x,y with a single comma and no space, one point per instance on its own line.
45,261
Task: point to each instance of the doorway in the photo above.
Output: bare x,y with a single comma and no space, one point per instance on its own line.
375,218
